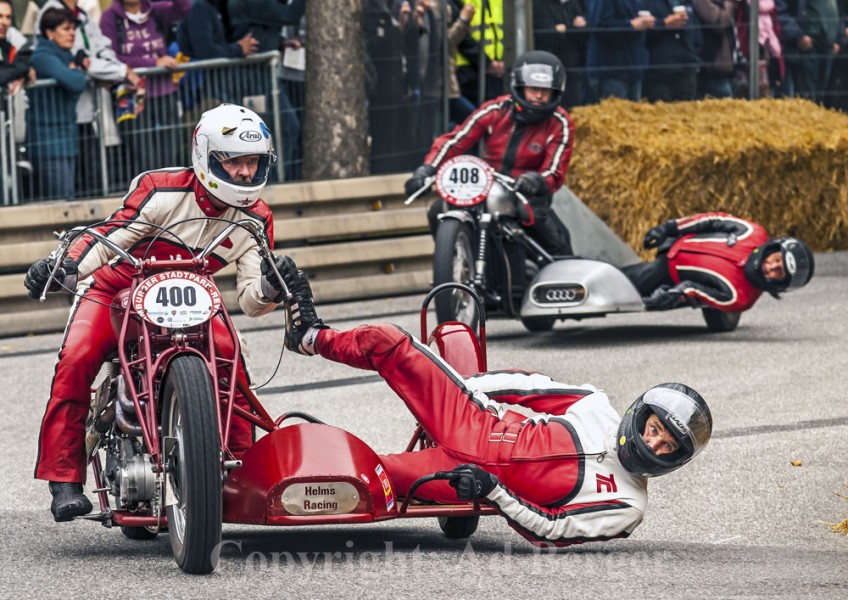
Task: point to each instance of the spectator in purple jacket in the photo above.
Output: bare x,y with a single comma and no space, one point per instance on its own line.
138,31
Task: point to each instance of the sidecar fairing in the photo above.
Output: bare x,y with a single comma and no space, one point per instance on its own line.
313,473
578,288
309,473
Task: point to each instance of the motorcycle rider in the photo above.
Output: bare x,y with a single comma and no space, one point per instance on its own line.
528,136
719,261
575,472
232,151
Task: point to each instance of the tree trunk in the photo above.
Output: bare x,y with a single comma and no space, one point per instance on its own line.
335,128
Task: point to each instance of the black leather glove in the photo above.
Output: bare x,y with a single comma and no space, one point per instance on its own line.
657,235
272,287
531,183
38,274
666,297
471,482
418,179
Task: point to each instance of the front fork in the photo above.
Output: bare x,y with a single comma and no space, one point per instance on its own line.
482,240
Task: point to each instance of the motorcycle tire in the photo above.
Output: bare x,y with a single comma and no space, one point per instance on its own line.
453,261
537,324
194,469
719,321
138,533
457,528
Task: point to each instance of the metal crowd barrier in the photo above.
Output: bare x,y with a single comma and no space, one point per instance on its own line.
37,164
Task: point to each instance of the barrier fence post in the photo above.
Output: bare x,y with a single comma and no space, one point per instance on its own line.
4,158
101,141
13,147
274,67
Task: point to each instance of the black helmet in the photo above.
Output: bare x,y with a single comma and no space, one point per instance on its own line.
797,260
536,69
685,415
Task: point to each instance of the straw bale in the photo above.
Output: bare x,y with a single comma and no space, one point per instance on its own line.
782,163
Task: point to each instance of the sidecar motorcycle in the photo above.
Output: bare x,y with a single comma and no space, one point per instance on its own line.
480,242
159,431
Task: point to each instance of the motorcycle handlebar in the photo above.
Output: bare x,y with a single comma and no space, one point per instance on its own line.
57,256
427,183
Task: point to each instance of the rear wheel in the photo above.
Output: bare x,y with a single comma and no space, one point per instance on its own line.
457,528
194,467
453,261
719,321
139,533
538,323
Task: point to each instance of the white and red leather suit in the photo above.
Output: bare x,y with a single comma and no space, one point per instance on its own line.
560,479
160,198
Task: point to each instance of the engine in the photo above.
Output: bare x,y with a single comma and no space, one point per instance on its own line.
129,472
113,426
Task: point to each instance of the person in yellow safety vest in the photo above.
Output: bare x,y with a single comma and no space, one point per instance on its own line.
467,58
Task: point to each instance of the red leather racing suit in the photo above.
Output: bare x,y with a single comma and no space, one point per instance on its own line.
711,254
160,198
512,149
560,479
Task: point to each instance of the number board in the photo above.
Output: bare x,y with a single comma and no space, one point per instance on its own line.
176,299
464,180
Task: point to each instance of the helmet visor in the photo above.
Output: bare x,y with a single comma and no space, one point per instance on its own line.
235,167
796,263
536,75
688,421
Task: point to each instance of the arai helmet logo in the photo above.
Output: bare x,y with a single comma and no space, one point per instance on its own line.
678,424
250,136
543,78
789,259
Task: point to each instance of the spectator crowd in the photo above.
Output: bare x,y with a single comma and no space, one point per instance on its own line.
428,63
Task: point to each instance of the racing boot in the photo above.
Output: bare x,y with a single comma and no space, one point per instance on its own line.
302,323
68,501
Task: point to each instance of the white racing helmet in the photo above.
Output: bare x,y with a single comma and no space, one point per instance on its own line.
226,132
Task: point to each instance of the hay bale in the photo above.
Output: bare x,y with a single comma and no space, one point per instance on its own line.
782,163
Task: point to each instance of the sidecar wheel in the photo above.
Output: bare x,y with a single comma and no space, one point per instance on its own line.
719,321
538,323
453,261
194,468
138,533
457,528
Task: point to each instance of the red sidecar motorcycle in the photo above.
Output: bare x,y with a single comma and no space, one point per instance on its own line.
158,434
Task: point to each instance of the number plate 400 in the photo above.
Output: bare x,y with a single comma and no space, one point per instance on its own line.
176,299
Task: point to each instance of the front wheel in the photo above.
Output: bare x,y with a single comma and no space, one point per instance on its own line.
189,415
719,321
453,261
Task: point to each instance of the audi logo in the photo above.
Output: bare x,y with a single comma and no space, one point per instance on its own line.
559,294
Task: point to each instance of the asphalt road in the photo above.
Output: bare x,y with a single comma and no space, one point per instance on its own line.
741,521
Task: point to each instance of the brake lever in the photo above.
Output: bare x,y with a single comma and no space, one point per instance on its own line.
427,183
55,257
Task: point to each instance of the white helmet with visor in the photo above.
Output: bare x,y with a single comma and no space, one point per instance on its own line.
224,133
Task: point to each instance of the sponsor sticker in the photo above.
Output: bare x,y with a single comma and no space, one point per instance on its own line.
387,487
250,136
